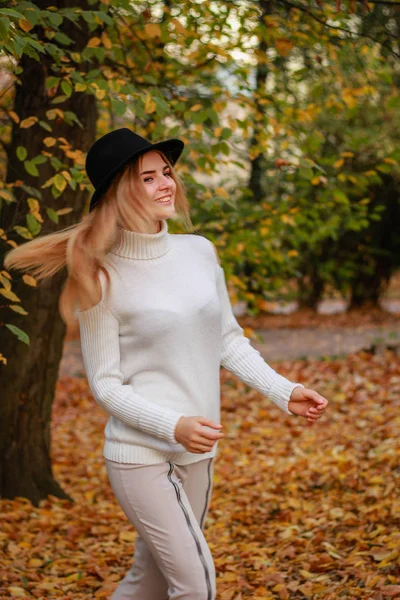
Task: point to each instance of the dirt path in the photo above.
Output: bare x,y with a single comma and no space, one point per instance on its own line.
284,343
311,342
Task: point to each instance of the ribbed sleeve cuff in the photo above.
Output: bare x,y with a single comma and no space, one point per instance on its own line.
280,393
163,424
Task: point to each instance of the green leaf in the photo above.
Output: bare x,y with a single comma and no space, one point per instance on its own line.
39,159
52,82
66,88
59,99
104,17
54,18
306,173
63,39
33,224
118,107
45,125
21,335
394,102
30,168
9,12
21,153
23,232
340,197
37,46
306,163
52,214
226,133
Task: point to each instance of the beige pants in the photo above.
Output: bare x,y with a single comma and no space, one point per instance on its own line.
167,504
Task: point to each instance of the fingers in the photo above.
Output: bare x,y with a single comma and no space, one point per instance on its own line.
319,400
206,434
201,449
313,414
209,423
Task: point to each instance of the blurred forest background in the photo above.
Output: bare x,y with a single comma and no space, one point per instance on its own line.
290,112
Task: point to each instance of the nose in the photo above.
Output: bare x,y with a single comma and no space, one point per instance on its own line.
166,183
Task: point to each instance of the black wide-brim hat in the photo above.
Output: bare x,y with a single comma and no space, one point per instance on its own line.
110,153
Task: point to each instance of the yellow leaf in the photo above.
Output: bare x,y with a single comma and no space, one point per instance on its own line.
26,123
25,25
315,180
18,309
3,359
248,332
338,163
67,175
94,42
107,43
59,182
14,116
221,192
6,195
292,253
17,592
33,204
9,295
100,94
64,211
35,562
29,280
217,131
80,87
76,57
348,154
149,105
196,107
152,30
6,282
127,536
48,183
71,578
53,113
49,141
288,219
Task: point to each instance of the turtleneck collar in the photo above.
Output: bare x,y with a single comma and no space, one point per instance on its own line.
132,244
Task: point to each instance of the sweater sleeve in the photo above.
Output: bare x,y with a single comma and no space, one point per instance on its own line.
99,332
244,360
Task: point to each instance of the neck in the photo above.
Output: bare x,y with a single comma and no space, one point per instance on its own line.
142,246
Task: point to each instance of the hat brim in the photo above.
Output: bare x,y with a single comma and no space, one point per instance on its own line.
171,148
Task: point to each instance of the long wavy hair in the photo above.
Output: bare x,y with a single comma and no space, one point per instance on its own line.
82,247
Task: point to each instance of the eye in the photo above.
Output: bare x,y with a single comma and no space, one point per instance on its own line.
147,179
168,173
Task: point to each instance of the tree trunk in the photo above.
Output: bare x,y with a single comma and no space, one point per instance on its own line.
310,292
257,164
30,376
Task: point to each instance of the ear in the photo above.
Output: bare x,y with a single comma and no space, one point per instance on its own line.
216,253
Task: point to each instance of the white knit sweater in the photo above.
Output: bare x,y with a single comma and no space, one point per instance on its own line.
152,350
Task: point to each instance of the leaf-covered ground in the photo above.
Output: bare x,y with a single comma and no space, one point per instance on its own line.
297,511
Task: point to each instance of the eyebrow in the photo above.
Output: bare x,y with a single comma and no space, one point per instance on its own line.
147,172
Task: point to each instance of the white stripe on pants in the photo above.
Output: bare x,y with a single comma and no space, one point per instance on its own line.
167,504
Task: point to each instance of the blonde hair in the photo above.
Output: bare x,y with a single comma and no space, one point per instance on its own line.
82,247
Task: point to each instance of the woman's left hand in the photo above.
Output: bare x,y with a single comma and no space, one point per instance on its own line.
307,403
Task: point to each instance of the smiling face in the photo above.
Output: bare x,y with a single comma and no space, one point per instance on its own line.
158,186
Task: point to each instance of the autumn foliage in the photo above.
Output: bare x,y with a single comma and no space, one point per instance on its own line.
297,511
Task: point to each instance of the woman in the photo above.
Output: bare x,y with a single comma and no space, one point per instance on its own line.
156,323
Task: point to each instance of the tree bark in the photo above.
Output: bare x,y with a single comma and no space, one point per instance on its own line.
30,376
257,164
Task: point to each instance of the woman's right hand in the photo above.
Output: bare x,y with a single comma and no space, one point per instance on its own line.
196,435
